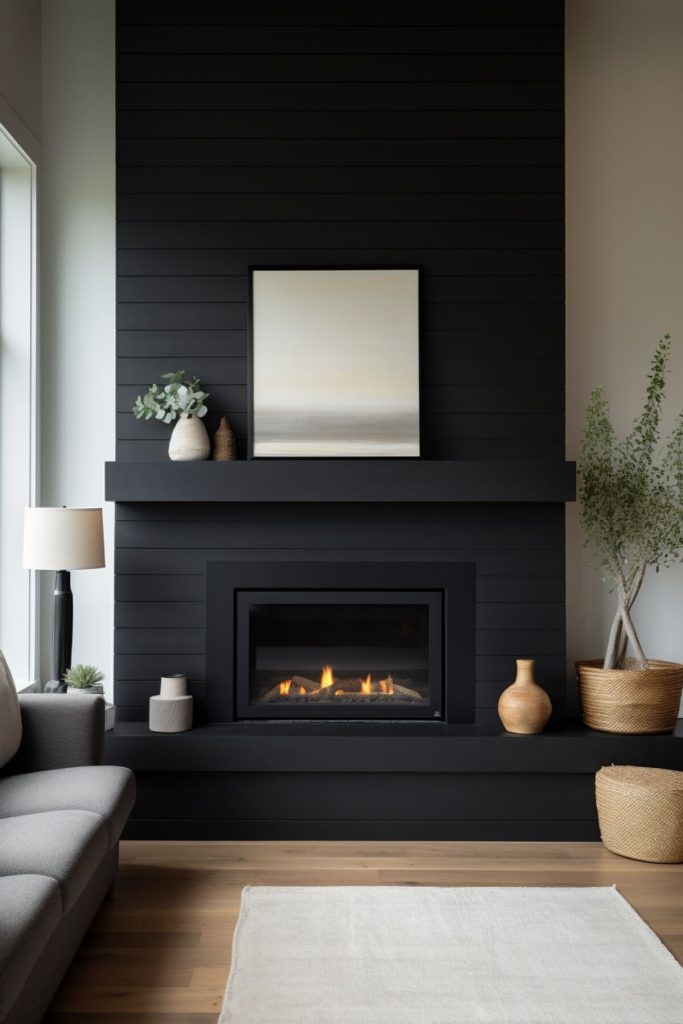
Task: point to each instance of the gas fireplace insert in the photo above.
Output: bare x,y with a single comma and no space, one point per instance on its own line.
331,641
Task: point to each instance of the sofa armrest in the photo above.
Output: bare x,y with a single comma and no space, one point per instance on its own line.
58,732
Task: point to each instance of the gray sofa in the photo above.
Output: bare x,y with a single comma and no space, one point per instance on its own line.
61,815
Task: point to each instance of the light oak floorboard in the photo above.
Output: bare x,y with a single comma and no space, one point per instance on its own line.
158,951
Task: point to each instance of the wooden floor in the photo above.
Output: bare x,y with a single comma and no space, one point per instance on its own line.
158,952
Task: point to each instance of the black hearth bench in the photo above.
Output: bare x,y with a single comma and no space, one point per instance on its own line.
353,782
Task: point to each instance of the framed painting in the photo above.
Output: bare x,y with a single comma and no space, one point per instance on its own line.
335,363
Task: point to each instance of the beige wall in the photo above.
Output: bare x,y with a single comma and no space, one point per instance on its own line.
624,120
20,61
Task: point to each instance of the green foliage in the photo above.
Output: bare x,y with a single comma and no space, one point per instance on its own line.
182,396
631,489
81,676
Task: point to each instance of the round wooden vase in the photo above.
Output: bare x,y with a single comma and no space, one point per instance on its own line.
189,441
524,707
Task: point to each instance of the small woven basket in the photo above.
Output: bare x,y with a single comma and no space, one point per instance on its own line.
640,811
630,700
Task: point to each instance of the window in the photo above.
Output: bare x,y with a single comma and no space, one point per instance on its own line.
18,406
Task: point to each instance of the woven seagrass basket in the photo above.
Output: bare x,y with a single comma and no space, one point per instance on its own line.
640,811
630,700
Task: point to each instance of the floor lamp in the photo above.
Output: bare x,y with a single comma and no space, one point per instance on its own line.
62,539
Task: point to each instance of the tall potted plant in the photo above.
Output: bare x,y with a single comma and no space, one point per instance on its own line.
631,494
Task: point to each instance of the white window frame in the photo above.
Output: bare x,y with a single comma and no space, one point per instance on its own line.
19,153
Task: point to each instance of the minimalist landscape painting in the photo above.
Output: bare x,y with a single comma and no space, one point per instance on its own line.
335,363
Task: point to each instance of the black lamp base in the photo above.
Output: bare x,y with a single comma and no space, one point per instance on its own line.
62,632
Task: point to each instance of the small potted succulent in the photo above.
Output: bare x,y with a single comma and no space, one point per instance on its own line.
181,399
631,494
84,679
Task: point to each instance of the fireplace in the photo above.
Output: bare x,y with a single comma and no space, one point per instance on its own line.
332,654
339,641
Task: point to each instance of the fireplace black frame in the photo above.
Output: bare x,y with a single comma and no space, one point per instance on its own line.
453,581
432,708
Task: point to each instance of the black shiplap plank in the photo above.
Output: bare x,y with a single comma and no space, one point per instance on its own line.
235,208
537,642
177,344
334,96
150,666
351,533
156,561
339,153
354,12
365,796
440,316
520,615
409,40
444,261
199,179
350,68
153,640
211,316
160,588
141,372
434,289
144,615
151,587
511,234
340,124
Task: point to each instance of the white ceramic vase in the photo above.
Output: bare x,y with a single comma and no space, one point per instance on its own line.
189,441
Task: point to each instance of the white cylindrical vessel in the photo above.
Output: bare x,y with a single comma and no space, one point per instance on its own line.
172,714
173,686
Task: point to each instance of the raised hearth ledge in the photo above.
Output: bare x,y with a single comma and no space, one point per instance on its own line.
382,748
342,480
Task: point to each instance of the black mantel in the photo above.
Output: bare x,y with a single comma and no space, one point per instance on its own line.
409,481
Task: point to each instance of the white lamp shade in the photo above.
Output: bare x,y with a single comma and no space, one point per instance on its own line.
63,538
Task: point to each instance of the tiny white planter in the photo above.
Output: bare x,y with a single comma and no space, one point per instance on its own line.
96,690
189,441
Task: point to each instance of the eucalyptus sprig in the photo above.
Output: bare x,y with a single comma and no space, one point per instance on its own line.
631,494
182,396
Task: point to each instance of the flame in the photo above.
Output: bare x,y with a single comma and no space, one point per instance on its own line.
366,685
339,693
326,679
302,691
386,685
285,686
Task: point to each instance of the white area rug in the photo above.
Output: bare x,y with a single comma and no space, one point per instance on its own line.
396,955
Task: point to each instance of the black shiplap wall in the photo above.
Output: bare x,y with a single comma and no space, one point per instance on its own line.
309,134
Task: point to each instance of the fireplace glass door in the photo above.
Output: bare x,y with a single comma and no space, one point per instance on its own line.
331,654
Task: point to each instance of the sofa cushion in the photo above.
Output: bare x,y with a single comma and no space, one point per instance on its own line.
31,910
65,845
106,790
10,714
